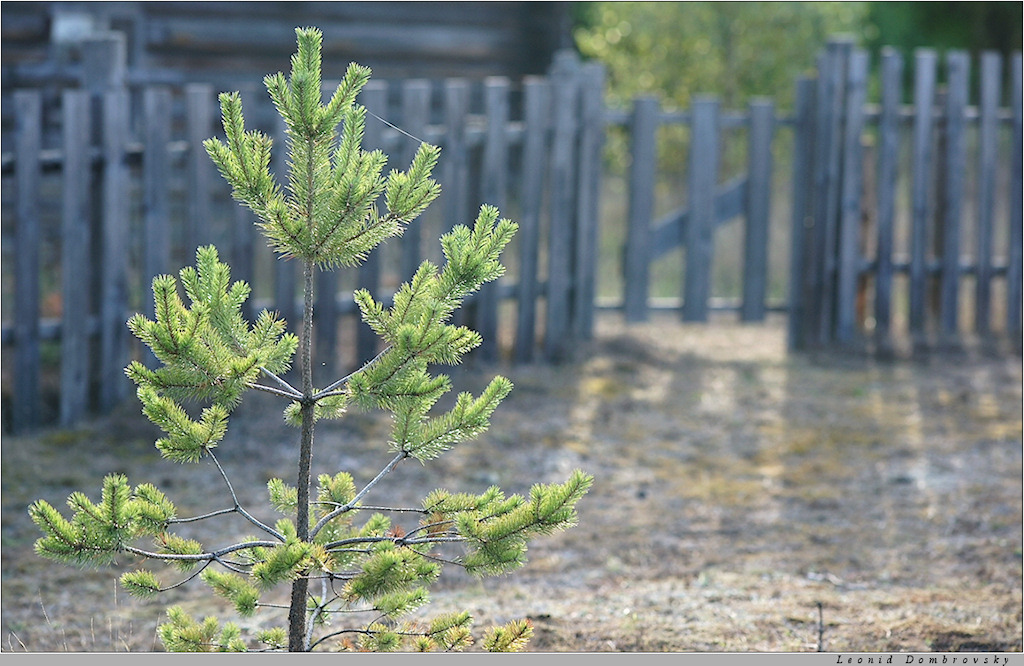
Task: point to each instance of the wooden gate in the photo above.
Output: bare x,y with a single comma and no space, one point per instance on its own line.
907,218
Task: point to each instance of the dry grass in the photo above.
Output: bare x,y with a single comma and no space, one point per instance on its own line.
737,488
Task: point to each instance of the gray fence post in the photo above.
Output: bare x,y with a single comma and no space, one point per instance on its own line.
114,264
703,180
924,102
758,205
888,156
565,90
848,233
1013,271
642,177
537,111
156,238
991,74
800,259
28,139
76,267
955,160
493,186
199,112
588,198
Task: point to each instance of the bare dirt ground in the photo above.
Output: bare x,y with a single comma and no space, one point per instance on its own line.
737,488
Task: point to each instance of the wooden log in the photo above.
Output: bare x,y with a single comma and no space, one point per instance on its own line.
703,179
537,107
642,178
25,396
759,188
76,269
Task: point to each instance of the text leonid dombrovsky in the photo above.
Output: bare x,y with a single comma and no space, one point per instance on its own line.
949,660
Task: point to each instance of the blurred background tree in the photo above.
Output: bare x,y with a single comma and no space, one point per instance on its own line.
734,49
973,26
738,50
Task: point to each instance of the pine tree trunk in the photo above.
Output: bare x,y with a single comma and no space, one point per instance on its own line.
297,609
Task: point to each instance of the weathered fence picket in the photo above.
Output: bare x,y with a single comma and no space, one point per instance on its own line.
565,90
76,268
591,143
699,233
925,63
643,132
802,216
25,395
954,169
156,237
199,114
536,105
114,258
494,185
991,71
1016,208
758,206
888,156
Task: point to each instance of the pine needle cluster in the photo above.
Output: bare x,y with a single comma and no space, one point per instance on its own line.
371,565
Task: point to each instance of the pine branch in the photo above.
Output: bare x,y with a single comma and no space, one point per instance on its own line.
351,505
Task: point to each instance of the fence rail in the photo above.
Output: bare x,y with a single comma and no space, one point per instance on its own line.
891,219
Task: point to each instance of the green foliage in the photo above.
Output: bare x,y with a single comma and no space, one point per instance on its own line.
370,564
675,50
235,589
510,638
972,26
183,633
140,583
732,49
208,352
328,215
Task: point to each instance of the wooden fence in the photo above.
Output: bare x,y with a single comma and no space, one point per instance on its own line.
906,215
108,185
710,204
124,191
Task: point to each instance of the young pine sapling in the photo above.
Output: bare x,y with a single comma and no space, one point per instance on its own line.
343,558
